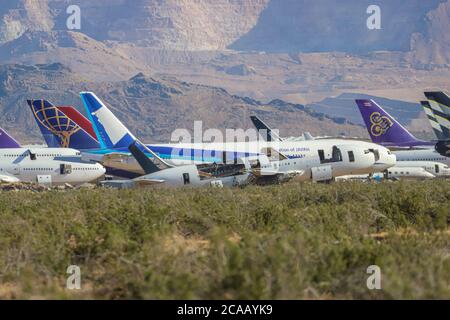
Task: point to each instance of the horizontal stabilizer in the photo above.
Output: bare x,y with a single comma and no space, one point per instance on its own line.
145,162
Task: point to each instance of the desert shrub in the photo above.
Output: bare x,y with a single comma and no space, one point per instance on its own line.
279,242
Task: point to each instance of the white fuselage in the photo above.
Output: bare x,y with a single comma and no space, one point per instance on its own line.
357,157
317,161
352,160
421,155
408,173
437,169
47,166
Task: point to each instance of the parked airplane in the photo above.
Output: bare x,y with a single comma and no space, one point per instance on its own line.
159,173
408,173
394,173
43,165
259,170
437,169
114,137
324,159
384,129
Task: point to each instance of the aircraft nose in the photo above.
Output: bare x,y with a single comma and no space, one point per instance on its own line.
392,159
101,169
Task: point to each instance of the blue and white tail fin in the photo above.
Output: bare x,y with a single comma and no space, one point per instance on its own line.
58,130
6,141
110,131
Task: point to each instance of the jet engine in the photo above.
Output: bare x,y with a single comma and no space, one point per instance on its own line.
443,147
320,174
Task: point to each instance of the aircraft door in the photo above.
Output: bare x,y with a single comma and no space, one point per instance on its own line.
186,178
17,170
351,156
44,180
65,169
335,156
437,169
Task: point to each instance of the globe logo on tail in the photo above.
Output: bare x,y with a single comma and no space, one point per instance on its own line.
380,124
55,121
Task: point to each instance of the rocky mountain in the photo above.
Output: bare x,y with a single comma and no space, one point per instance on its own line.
325,25
152,107
244,25
433,46
170,24
300,51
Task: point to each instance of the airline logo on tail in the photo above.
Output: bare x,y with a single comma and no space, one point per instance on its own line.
380,124
384,129
51,118
110,131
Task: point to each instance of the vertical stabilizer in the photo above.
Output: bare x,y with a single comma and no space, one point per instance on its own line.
383,128
6,141
110,131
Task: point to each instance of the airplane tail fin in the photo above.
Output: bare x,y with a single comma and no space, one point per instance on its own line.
440,102
441,131
440,107
148,165
261,126
6,141
382,127
58,130
110,131
80,119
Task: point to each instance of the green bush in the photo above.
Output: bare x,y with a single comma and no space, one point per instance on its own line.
292,241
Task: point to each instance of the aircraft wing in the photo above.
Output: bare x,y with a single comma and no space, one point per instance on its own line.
281,176
153,164
148,182
128,184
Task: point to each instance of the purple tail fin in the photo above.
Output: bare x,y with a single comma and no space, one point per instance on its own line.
6,141
383,129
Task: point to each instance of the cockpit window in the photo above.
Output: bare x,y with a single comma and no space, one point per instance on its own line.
376,153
